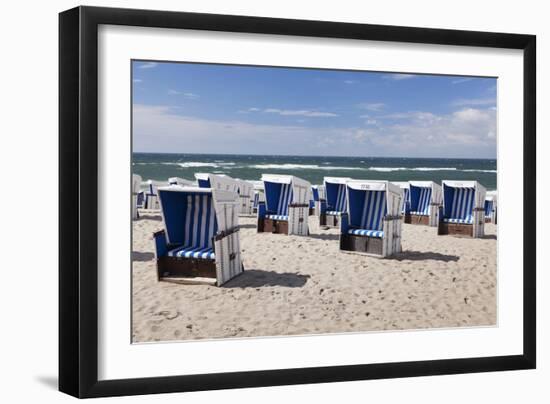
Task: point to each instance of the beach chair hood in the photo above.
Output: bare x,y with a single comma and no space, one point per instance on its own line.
217,181
192,215
459,196
422,194
335,193
369,201
285,189
180,181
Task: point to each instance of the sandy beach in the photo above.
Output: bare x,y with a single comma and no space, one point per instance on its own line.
305,285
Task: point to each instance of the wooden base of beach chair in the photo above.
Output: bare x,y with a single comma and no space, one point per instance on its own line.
332,220
272,226
455,229
186,270
361,244
417,219
329,220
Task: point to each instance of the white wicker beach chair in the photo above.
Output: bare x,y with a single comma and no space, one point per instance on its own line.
372,223
286,206
463,210
491,207
424,202
335,201
200,241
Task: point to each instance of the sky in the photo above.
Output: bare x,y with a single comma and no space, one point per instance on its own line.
229,109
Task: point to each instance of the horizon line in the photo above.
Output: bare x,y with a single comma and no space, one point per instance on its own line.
314,155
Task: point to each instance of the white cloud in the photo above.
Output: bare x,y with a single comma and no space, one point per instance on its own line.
468,132
185,94
372,106
398,76
295,112
474,101
350,81
148,65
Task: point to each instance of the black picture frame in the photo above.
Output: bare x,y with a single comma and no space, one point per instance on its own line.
78,206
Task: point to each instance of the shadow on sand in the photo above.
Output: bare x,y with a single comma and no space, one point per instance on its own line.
421,256
325,236
142,256
255,278
156,218
247,226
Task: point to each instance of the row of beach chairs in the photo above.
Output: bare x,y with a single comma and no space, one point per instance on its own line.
200,240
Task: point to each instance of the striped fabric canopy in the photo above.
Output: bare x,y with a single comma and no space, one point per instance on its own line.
458,204
315,192
367,211
420,198
406,200
278,196
336,197
190,220
488,208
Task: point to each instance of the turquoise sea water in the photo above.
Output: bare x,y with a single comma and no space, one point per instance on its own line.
158,166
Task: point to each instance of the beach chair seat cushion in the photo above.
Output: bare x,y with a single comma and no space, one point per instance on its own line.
365,232
277,217
461,221
206,253
423,213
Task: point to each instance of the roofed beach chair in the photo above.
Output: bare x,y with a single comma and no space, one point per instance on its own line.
372,223
463,211
258,195
181,181
151,195
200,241
245,191
491,207
217,181
317,195
405,196
425,199
335,202
136,193
286,206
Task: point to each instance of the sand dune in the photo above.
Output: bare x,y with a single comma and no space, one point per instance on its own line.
305,285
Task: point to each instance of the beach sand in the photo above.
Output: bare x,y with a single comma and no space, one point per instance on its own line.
305,285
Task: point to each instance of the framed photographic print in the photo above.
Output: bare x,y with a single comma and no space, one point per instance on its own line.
251,201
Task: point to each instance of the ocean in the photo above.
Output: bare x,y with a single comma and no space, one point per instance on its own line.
157,166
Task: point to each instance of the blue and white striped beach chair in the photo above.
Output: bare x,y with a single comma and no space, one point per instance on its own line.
425,198
181,181
137,195
151,195
217,181
463,211
286,206
491,207
372,223
335,202
245,191
200,240
405,200
317,197
258,195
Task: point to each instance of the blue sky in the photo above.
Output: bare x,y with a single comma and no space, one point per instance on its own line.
205,108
